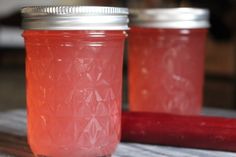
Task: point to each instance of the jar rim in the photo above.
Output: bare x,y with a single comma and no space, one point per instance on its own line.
170,17
74,18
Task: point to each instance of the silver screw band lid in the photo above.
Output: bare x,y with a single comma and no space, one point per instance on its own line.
74,18
170,18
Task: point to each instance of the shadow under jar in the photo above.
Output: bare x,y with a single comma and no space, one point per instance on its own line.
166,60
74,59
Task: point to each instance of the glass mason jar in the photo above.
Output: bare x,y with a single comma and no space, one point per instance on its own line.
74,61
166,60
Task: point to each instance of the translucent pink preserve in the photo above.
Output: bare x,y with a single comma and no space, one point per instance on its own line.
74,92
166,69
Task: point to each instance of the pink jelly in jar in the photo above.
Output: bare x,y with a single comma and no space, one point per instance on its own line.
166,60
74,59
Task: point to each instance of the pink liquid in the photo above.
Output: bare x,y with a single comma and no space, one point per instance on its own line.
74,92
166,68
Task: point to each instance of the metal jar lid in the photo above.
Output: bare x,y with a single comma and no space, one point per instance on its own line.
171,18
74,18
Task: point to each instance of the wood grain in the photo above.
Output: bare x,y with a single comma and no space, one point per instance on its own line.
13,141
14,145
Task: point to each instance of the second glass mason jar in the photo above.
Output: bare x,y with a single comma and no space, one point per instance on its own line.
74,59
166,60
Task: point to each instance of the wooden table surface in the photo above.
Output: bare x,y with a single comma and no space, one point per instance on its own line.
13,141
